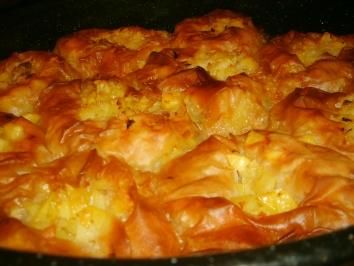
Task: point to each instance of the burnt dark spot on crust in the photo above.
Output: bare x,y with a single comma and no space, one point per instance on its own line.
23,71
346,119
6,118
130,122
347,102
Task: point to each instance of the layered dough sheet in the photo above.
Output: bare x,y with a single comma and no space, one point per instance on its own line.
140,143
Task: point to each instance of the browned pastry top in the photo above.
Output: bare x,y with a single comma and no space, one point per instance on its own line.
141,143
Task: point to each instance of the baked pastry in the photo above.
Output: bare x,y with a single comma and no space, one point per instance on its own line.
141,143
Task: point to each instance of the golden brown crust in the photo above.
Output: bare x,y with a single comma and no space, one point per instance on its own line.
222,42
106,53
141,143
15,235
300,60
23,76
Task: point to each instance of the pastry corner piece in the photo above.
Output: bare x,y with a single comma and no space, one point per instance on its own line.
140,143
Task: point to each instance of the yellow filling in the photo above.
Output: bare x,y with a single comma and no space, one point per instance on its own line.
256,189
222,64
310,52
83,215
9,134
99,99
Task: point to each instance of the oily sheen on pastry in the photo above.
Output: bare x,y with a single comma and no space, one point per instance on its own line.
138,143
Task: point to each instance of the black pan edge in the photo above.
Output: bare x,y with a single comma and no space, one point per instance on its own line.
37,24
336,248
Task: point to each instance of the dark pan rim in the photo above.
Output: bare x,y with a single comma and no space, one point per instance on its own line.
336,248
38,24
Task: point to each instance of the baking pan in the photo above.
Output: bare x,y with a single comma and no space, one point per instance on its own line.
335,249
36,25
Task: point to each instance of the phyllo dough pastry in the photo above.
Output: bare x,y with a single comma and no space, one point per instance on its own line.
134,142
